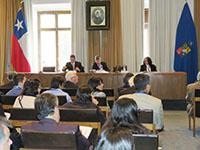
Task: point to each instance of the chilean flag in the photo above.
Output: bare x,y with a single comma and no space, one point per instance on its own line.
19,47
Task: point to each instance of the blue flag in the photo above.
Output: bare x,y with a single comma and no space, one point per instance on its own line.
186,51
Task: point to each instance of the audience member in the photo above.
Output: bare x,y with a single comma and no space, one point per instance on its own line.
14,137
56,86
116,138
73,65
85,101
147,65
96,85
19,81
27,97
146,101
46,106
99,65
71,80
191,93
126,88
5,141
10,77
125,114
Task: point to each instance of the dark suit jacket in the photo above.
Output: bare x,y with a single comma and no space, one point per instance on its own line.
9,85
104,65
143,68
53,126
77,64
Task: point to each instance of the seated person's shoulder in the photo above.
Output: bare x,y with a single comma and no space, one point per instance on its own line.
98,94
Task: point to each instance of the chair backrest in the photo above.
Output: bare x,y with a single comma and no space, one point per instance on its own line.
146,141
47,140
22,114
197,105
48,69
78,115
5,90
62,99
7,100
145,116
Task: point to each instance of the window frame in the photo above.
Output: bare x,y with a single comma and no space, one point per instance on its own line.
56,29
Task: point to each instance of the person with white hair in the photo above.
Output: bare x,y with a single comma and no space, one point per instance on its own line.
71,80
191,93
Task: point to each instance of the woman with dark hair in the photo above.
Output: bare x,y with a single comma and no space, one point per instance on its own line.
27,97
117,138
147,65
125,114
96,85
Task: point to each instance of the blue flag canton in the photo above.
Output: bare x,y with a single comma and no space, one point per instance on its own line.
184,49
20,25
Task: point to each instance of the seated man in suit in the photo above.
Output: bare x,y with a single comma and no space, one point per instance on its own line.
56,88
146,101
46,106
99,65
147,65
19,81
73,65
71,80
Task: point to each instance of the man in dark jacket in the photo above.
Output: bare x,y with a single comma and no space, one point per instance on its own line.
99,65
73,65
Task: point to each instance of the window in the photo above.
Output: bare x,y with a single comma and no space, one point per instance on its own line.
52,34
146,51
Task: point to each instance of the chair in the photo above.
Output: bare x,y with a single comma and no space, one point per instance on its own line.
7,101
195,113
48,69
62,99
145,116
146,141
49,140
5,90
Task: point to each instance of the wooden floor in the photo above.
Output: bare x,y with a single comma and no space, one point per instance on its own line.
176,135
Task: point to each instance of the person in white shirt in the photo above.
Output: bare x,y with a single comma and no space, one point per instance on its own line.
146,101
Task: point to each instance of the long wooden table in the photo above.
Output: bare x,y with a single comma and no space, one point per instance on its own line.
164,85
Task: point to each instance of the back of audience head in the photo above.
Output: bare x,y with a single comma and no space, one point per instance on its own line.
31,88
19,79
57,82
126,79
142,83
198,76
46,106
72,77
95,83
11,75
117,138
124,112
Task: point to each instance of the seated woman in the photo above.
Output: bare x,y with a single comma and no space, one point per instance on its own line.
147,65
27,98
96,85
116,138
125,114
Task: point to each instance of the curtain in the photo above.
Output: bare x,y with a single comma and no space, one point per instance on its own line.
164,17
8,11
79,33
132,33
108,43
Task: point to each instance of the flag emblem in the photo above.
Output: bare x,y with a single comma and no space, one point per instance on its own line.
183,50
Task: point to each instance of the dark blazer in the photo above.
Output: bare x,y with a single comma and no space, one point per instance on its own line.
77,64
104,65
53,126
143,68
